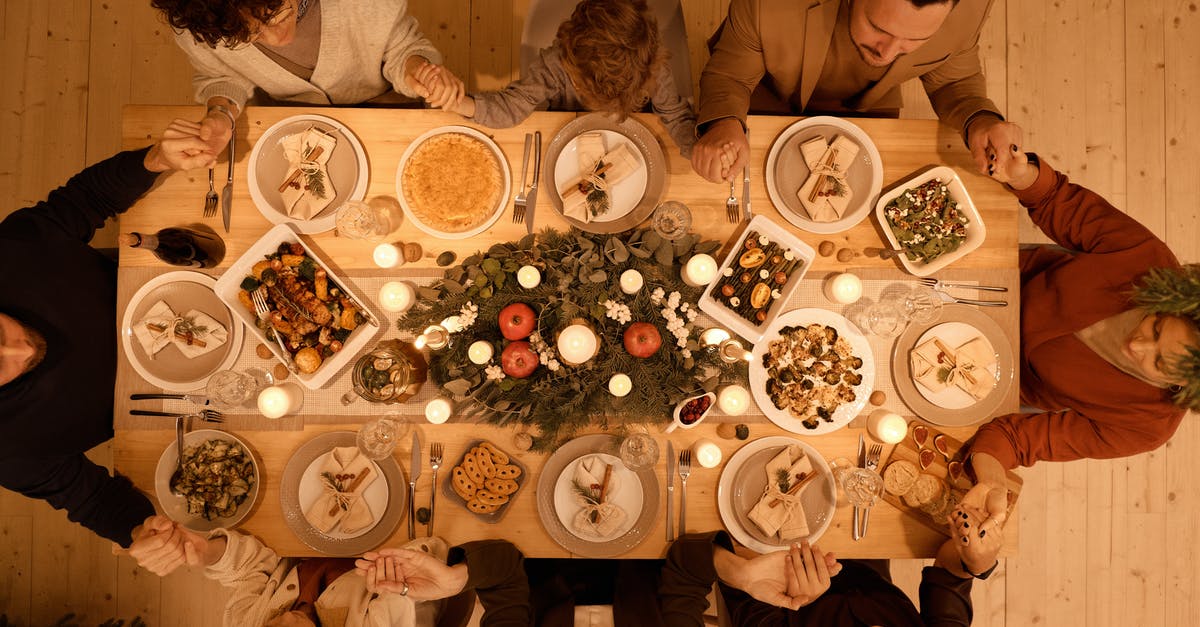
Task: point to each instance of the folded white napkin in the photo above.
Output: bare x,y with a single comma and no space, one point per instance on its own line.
967,367
787,517
596,519
827,165
312,190
343,481
195,333
621,163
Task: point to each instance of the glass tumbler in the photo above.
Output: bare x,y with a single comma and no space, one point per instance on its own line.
378,438
369,220
230,389
671,219
884,318
638,451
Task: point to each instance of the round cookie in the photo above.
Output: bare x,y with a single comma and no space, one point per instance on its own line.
501,486
899,477
508,471
925,489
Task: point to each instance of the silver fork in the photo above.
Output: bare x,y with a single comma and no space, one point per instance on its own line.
873,454
435,462
259,296
207,415
519,201
732,213
685,470
934,283
210,199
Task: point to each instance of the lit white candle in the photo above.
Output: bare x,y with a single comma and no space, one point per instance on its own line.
887,427
731,352
707,453
632,281
620,384
438,411
480,352
386,256
278,401
713,336
577,344
844,288
435,337
396,296
733,400
529,277
699,270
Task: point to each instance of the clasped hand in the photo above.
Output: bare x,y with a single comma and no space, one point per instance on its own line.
415,574
977,526
790,579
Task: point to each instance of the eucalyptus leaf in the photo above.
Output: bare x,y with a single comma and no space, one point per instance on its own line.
599,276
486,292
707,247
499,280
491,266
511,265
427,293
664,254
454,287
526,242
473,260
651,240
685,244
639,250
457,387
499,250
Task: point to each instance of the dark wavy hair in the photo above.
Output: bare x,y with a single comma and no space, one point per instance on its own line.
1176,292
217,22
612,47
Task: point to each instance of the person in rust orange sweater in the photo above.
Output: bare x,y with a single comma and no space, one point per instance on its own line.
1110,332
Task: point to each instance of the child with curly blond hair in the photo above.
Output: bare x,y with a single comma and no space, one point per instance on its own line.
607,57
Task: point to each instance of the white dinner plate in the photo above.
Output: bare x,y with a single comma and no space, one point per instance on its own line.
267,167
170,369
628,497
175,507
954,334
737,492
625,195
844,412
375,496
787,172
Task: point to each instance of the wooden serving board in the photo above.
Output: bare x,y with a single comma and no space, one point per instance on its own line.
907,450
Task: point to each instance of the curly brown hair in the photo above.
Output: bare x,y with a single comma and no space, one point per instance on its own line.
611,48
218,22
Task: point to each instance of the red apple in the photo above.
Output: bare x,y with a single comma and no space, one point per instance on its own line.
516,321
518,360
642,339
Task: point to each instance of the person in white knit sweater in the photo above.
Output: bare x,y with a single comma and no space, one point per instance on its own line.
318,52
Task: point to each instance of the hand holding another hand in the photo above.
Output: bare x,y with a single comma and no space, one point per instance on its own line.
789,579
414,574
977,527
439,86
181,147
722,151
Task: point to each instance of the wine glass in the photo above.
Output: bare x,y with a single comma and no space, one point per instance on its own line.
371,220
230,389
378,438
921,304
885,318
639,451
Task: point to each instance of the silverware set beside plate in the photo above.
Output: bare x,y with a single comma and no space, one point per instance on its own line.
940,288
525,202
226,197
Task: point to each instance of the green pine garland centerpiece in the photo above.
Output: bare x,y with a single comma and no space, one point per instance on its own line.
580,283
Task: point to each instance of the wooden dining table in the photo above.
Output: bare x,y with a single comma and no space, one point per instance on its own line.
906,147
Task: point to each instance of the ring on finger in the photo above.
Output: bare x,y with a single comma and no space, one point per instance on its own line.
404,592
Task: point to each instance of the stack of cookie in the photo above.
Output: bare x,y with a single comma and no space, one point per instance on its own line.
922,491
485,479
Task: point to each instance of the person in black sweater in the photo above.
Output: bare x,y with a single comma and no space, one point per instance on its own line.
58,346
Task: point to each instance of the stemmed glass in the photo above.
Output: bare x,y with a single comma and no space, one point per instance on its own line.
230,389
921,304
885,318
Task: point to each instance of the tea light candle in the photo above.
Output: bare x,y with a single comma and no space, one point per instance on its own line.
386,255
396,296
844,288
620,385
632,281
438,410
480,352
733,400
577,344
699,270
529,277
887,427
707,453
278,401
731,352
435,337
713,336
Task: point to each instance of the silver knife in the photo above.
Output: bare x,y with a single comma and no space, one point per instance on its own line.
531,197
746,213
670,490
414,470
862,463
191,398
227,193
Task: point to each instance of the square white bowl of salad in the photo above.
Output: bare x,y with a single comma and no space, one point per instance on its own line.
932,218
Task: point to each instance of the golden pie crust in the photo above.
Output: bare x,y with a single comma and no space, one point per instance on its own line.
452,182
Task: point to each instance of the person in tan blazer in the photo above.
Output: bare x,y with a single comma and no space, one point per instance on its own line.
845,57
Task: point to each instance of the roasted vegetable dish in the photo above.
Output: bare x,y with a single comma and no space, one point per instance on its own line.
756,278
217,476
312,315
811,371
927,221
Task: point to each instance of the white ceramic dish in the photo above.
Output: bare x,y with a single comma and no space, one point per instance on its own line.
175,507
976,231
786,172
955,334
845,412
678,422
267,168
375,496
625,195
713,306
501,202
229,284
628,497
182,290
820,500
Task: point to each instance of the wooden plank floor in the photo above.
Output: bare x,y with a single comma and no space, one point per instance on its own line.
1105,90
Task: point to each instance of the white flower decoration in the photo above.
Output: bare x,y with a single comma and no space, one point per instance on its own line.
494,373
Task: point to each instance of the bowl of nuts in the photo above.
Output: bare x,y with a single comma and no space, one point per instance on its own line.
757,278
